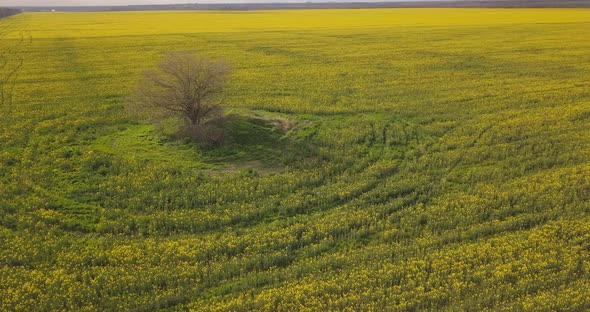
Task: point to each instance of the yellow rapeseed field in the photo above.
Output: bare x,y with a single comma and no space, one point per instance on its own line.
69,25
377,160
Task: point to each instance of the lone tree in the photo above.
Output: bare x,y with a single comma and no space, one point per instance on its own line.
185,86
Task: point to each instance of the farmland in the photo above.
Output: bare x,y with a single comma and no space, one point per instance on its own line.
391,159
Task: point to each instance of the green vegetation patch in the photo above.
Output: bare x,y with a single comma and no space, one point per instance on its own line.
373,160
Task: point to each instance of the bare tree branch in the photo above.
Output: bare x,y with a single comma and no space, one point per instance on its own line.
183,85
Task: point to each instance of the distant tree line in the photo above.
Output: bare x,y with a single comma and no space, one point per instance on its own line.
6,12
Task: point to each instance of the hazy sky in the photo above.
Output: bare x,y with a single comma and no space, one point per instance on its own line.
89,2
127,2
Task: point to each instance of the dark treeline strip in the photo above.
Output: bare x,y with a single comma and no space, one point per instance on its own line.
6,12
327,5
